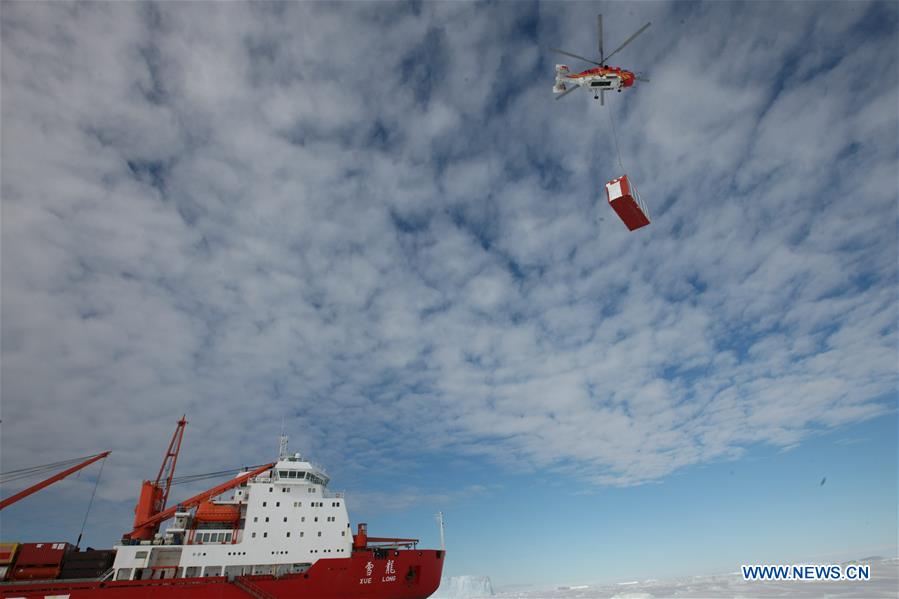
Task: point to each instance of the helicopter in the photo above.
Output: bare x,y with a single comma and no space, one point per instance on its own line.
601,78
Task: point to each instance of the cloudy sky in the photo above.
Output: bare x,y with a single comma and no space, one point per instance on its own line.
372,222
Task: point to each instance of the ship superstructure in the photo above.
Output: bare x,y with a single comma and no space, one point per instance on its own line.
277,523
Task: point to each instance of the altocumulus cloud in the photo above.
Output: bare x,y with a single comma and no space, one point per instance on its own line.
360,216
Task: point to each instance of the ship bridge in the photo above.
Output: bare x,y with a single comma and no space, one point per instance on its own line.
294,469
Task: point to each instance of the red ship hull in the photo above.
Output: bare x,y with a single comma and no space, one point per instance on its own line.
363,575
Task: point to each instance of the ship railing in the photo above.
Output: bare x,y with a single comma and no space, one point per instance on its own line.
106,575
318,467
389,543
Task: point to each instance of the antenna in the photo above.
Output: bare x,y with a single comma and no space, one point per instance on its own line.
282,443
440,524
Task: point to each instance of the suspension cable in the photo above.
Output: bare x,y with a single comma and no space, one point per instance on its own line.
621,166
615,138
90,504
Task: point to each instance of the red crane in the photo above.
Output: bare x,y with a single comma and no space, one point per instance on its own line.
154,495
46,483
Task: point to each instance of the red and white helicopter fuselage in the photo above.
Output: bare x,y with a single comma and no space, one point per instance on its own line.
599,79
596,79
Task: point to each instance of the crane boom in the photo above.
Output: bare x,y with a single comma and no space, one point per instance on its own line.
168,464
154,495
46,483
146,529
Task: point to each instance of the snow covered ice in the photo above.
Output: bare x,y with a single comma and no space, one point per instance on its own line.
884,583
464,587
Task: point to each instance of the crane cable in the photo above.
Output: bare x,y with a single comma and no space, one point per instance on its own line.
90,504
13,475
191,478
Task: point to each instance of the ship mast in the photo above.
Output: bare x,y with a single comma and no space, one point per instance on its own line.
440,524
282,443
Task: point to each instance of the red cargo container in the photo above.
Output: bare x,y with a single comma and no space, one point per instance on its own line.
626,203
8,553
39,561
34,573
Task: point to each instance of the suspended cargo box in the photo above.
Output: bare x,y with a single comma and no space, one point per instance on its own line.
626,203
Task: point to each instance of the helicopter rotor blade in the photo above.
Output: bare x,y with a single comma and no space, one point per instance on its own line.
575,56
628,40
599,29
641,79
567,91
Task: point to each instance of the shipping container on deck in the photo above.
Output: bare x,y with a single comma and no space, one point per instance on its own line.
91,556
39,561
84,574
34,573
8,553
625,200
90,563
